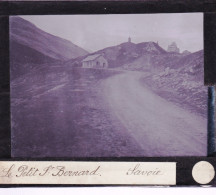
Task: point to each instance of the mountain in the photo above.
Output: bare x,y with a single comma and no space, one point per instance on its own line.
150,57
125,53
27,35
31,47
128,52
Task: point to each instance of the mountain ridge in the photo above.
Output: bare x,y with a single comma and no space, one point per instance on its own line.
120,54
141,56
26,33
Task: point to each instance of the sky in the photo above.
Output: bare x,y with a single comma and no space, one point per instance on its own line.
95,32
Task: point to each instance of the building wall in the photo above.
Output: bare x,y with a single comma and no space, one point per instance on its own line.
173,48
100,62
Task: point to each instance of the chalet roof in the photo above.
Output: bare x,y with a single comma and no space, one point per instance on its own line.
91,57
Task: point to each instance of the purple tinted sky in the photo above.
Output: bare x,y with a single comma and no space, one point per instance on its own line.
94,32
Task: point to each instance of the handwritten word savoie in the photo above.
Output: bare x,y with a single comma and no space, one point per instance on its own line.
137,170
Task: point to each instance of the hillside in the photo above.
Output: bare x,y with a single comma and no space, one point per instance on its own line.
31,47
146,56
26,33
182,82
125,53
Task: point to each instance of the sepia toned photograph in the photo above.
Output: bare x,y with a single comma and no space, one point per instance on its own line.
125,85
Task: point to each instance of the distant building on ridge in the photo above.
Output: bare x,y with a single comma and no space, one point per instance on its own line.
186,52
173,48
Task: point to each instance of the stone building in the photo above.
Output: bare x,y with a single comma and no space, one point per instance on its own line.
173,48
95,61
186,52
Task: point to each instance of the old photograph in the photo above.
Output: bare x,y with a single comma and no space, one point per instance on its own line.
124,85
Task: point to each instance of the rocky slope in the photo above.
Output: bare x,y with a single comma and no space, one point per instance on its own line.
182,82
125,53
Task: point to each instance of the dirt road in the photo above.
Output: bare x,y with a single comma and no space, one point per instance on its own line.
62,114
160,127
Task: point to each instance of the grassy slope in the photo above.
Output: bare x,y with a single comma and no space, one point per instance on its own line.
24,32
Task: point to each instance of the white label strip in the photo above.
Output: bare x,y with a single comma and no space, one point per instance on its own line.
87,173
